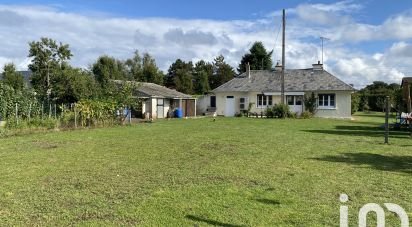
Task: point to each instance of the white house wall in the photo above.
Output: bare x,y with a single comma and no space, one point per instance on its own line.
203,103
221,101
342,108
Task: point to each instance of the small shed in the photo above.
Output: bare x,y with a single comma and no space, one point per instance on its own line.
159,101
406,92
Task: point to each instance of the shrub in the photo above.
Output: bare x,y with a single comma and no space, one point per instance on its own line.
293,115
310,103
281,110
34,123
269,113
306,115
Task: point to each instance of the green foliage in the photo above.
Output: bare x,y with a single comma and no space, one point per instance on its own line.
222,72
306,115
258,58
25,99
180,76
143,69
269,112
373,96
12,78
33,123
202,72
48,59
355,101
310,103
74,84
151,72
108,68
281,110
95,112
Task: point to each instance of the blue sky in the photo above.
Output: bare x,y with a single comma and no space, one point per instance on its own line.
369,40
375,11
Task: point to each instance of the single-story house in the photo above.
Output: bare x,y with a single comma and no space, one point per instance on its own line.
262,89
406,92
158,100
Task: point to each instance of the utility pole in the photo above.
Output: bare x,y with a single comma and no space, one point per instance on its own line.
283,60
322,39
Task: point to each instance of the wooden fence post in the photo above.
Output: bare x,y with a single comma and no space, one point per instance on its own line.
17,112
75,116
387,120
30,112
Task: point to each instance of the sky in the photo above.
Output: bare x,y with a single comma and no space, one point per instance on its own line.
367,40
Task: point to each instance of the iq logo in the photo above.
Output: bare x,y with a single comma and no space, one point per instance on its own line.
369,208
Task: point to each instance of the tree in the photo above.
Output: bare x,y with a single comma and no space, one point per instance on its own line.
12,78
373,96
143,69
134,67
258,58
74,84
48,58
202,72
180,76
222,72
151,73
108,68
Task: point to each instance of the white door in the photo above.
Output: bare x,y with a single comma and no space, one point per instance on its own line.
230,106
160,108
295,103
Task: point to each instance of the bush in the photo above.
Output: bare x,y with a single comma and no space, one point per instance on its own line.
67,119
34,123
269,113
293,115
310,103
281,110
306,115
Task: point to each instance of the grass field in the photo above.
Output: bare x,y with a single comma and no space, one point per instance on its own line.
232,172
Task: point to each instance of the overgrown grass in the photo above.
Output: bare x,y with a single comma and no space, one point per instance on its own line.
232,172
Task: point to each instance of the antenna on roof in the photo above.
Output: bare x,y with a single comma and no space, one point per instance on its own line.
322,39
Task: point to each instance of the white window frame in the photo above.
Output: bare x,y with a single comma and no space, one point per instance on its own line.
328,99
294,100
265,101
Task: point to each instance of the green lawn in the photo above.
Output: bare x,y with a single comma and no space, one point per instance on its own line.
232,172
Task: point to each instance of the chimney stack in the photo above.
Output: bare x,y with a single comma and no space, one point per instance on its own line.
317,67
278,67
248,70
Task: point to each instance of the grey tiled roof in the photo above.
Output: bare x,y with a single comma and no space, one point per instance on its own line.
295,80
154,90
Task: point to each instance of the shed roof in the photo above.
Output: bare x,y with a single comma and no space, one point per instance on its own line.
146,90
295,80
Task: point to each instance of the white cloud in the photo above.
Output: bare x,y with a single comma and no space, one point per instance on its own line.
168,39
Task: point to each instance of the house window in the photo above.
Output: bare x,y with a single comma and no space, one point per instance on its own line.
298,100
264,101
290,99
294,100
326,100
